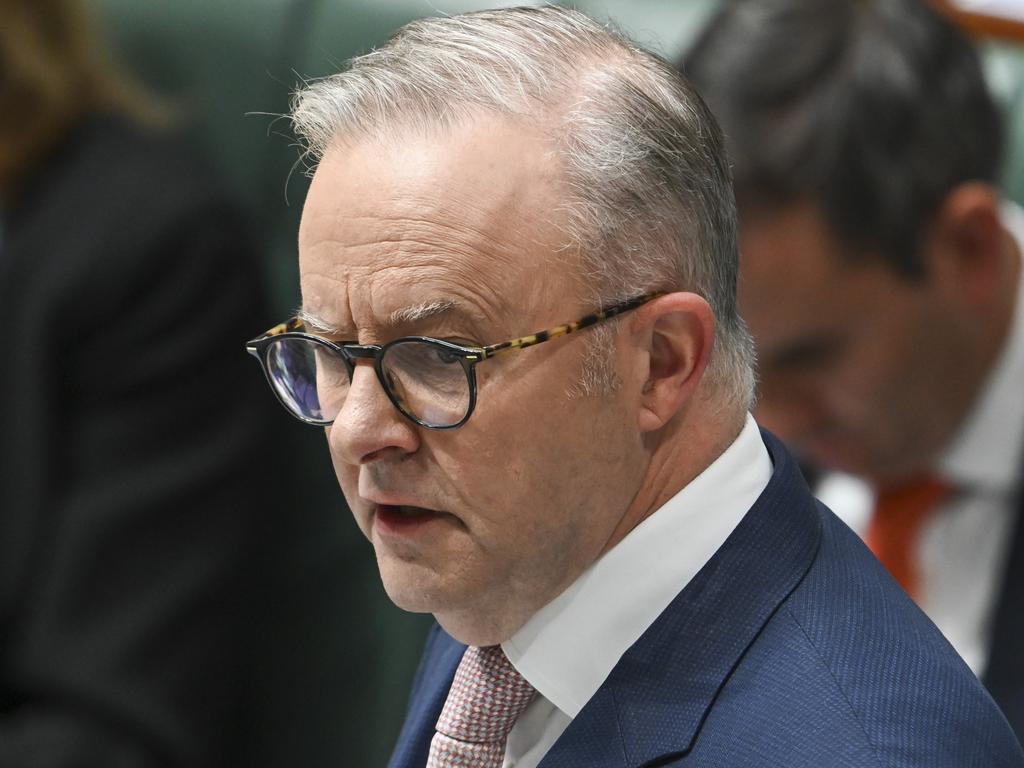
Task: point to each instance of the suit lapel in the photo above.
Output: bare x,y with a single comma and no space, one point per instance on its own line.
656,698
1004,674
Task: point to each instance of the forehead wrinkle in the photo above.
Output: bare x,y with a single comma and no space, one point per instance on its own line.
419,246
420,221
456,235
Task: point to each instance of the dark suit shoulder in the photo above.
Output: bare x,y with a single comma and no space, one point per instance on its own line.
848,673
893,670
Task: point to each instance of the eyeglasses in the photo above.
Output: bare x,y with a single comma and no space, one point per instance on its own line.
431,382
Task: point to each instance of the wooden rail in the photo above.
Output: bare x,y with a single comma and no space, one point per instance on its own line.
983,25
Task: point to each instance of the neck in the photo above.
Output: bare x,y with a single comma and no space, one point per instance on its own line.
679,452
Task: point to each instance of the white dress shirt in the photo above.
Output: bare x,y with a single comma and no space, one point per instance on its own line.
571,645
963,547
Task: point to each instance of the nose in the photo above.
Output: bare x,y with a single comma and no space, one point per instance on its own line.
790,411
368,427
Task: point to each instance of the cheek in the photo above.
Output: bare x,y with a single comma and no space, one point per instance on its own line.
348,480
344,472
527,466
530,450
493,465
892,363
797,405
883,381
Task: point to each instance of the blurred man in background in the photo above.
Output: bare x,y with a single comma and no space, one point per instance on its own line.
881,279
129,520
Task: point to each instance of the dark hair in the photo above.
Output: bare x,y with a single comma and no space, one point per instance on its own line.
873,109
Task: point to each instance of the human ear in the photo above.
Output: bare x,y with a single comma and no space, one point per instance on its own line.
675,334
965,243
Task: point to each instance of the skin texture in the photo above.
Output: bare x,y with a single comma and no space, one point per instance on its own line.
538,483
862,369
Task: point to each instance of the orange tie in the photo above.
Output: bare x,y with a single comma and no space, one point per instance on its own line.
900,513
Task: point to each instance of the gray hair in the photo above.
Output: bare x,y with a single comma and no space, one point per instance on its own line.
649,191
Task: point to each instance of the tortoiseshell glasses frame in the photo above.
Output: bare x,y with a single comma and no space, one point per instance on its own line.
294,394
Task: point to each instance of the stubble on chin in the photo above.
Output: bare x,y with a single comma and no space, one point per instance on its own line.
409,584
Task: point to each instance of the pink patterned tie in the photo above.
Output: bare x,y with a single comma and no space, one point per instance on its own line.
485,699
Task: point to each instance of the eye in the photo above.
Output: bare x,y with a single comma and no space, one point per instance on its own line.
446,356
806,356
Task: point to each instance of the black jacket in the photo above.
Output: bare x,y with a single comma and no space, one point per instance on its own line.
129,440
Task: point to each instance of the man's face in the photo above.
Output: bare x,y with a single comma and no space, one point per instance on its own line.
860,368
456,236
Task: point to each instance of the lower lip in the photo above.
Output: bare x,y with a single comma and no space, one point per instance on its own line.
390,520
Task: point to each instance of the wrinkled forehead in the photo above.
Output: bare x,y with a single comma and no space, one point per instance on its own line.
472,215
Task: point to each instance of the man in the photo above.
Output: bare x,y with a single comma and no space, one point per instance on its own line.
639,576
881,278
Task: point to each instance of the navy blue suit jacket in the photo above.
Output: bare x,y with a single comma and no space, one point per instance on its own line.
1004,675
792,647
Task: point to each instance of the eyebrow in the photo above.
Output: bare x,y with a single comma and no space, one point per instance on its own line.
420,312
414,313
315,323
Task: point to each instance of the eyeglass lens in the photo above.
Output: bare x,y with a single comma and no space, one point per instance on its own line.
427,380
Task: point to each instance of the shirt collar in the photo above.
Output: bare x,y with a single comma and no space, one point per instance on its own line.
987,450
568,648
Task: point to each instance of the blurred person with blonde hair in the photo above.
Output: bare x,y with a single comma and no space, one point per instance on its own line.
128,525
54,72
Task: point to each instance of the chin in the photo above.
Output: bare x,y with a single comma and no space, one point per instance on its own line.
411,586
416,589
411,600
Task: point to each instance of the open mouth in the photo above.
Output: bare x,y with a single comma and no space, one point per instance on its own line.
405,516
406,511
